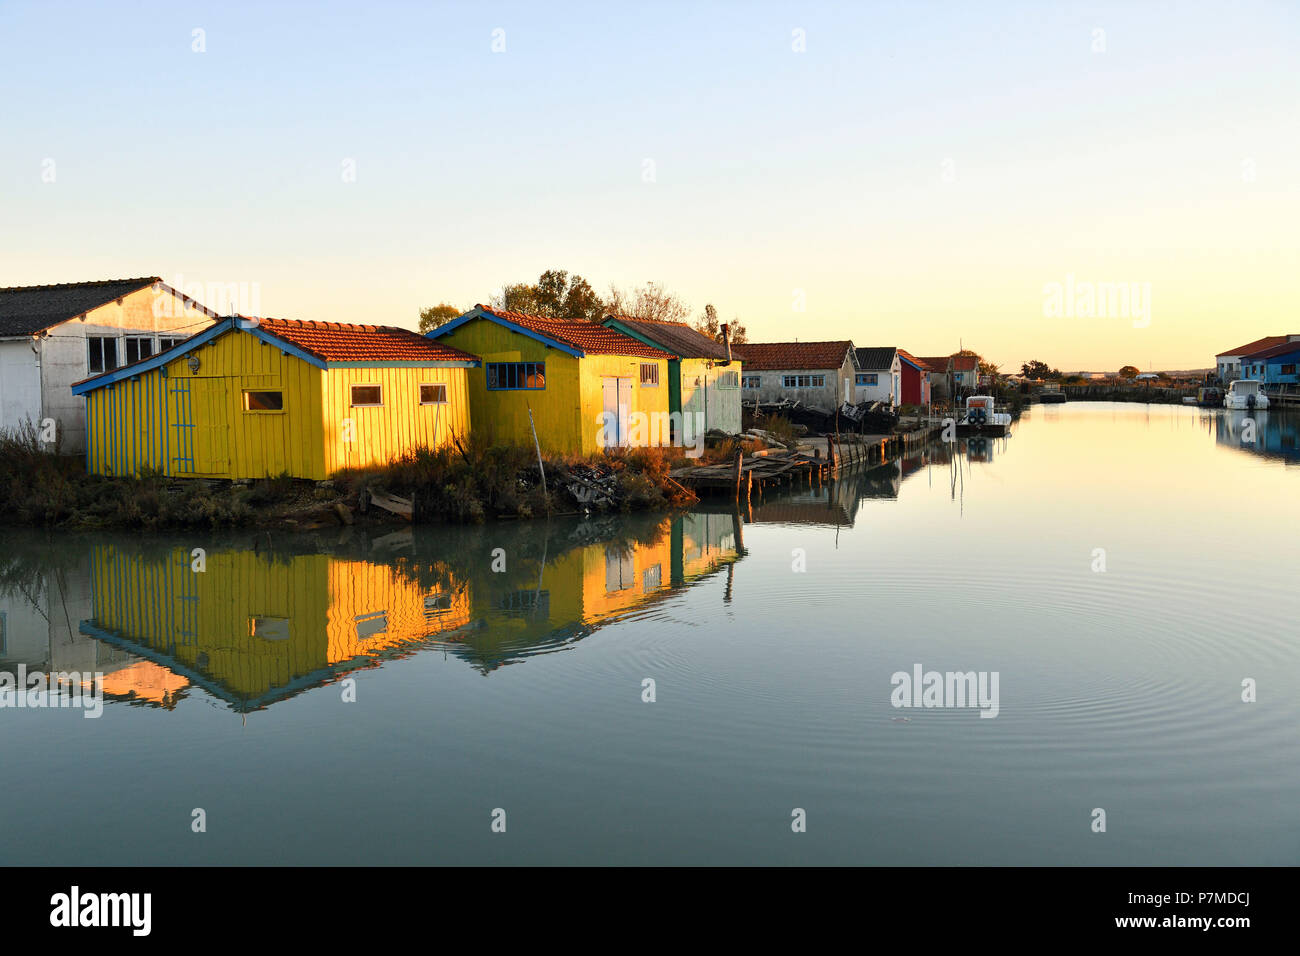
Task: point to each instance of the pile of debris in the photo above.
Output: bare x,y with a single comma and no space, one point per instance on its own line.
592,488
869,418
815,420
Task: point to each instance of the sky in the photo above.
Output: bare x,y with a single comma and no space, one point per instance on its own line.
927,175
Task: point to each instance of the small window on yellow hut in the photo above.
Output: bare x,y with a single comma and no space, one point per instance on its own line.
433,394
363,395
263,401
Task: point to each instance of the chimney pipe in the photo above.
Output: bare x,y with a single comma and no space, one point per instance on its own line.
726,340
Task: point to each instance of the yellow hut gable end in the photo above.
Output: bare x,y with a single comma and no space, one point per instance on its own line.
257,398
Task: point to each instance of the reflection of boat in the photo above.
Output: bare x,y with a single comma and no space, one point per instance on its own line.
1050,393
1245,393
982,417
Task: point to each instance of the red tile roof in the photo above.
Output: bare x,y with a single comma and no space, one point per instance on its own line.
1267,342
936,363
1282,348
590,338
964,363
344,342
772,356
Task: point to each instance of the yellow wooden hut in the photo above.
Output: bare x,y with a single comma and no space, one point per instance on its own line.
250,398
588,387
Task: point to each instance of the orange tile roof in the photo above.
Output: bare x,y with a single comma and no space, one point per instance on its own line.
1267,342
773,356
590,338
936,363
915,361
344,342
964,363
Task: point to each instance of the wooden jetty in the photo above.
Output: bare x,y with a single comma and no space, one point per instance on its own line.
770,469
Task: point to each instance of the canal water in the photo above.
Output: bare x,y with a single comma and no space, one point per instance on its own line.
696,688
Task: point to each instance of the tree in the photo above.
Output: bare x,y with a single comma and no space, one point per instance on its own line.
1129,371
653,303
556,295
436,315
1040,370
708,324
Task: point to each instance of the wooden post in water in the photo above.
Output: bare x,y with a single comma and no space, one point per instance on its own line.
735,471
830,452
540,466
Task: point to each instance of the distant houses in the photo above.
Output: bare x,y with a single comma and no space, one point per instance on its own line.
703,376
252,398
54,335
820,374
579,386
1229,364
879,376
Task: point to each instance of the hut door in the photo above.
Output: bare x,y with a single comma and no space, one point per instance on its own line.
211,425
617,394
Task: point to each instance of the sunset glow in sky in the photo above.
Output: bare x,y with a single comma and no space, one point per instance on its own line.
917,174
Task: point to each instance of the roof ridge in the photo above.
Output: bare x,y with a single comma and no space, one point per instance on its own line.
72,285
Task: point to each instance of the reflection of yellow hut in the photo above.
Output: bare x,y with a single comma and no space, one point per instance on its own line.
540,605
251,628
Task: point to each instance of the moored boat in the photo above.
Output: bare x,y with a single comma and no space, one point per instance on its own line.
1245,393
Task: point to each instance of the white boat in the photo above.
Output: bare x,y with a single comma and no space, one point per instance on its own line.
981,416
1245,393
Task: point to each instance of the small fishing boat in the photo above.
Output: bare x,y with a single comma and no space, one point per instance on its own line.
1209,396
982,417
1245,393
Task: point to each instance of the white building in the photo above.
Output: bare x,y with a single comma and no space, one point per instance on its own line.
54,335
818,374
879,377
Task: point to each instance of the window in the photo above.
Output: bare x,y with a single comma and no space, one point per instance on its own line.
368,625
649,374
263,401
867,378
1288,369
510,376
103,353
729,380
138,347
167,342
269,628
750,381
367,395
652,578
803,381
433,394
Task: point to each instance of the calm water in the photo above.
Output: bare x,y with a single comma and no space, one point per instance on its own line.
521,688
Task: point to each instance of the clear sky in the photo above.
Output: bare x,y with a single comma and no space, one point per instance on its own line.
917,175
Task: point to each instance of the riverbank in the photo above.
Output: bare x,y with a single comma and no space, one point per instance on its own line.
469,483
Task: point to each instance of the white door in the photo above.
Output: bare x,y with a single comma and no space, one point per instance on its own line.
617,394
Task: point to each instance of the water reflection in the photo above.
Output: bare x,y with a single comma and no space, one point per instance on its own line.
252,622
1270,433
